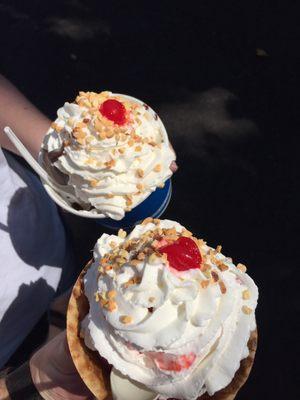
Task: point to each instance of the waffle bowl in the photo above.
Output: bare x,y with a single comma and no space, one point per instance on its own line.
95,371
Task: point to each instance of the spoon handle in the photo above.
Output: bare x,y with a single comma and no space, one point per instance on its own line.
26,154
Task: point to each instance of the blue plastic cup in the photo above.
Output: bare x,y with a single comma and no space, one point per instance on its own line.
153,206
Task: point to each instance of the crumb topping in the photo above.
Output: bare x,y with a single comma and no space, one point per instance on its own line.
126,319
247,310
90,128
241,267
133,252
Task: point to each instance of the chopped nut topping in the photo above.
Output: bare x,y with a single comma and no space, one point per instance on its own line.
219,248
140,186
124,253
79,125
134,262
104,260
126,319
147,220
96,294
122,234
207,274
94,182
222,267
205,267
246,295
140,173
133,281
214,276
89,139
171,238
120,261
110,134
157,168
109,196
204,284
54,126
151,299
58,128
103,296
242,267
67,142
164,258
222,287
111,294
246,310
89,161
111,306
101,270
78,134
129,201
153,258
80,141
201,242
171,232
186,233
110,164
121,150
138,148
141,256
102,135
155,244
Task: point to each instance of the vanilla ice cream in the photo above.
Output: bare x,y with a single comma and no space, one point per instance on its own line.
167,310
110,150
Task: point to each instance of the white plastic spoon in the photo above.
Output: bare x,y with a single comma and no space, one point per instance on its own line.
61,194
27,156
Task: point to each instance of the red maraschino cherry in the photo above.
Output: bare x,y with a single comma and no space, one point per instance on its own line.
113,110
183,254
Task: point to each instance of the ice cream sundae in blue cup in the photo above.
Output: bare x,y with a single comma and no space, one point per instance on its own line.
109,159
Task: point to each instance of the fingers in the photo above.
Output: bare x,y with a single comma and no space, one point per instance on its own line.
54,373
173,166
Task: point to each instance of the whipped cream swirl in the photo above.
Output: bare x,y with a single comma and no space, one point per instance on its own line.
109,168
179,333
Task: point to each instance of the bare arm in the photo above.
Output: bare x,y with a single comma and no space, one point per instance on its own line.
3,391
29,124
53,374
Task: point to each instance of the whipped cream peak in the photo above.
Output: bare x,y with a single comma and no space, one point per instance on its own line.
179,332
113,150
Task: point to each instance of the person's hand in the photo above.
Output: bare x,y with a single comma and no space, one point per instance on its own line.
54,374
173,166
